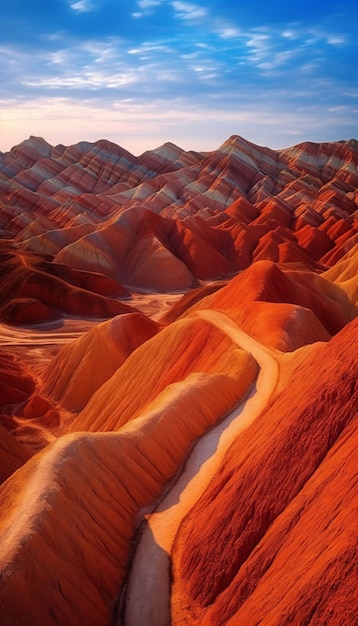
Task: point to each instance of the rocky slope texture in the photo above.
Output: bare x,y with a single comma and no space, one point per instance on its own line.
178,385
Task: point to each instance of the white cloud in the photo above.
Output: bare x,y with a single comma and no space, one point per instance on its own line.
149,47
229,32
277,60
169,76
145,7
260,46
309,68
336,40
60,57
289,34
101,51
148,4
82,6
187,11
86,79
333,39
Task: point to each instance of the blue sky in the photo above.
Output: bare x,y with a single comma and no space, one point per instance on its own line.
143,72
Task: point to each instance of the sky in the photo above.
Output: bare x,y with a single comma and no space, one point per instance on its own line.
143,72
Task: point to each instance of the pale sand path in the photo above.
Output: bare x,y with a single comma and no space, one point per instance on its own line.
146,600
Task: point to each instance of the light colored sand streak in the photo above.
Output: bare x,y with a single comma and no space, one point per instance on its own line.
40,335
147,599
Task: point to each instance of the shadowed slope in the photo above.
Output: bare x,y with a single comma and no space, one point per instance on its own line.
12,454
289,552
16,384
20,406
34,290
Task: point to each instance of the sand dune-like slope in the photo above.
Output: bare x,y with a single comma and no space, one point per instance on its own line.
286,552
147,596
68,515
184,348
82,366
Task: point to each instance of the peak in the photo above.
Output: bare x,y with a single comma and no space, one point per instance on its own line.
351,143
167,152
35,143
33,148
172,146
104,145
233,140
236,142
168,148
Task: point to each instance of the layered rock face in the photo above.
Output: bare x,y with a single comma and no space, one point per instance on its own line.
178,385
96,208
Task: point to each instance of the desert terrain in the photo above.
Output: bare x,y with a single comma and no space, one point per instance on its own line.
178,385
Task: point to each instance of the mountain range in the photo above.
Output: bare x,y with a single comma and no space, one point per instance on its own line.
178,387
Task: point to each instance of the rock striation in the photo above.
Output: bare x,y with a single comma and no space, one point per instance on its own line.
239,564
96,207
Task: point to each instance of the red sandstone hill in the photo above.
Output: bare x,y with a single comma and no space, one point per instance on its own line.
95,207
273,539
178,385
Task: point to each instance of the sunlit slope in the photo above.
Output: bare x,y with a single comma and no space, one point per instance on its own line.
286,552
82,366
68,515
183,348
283,307
345,274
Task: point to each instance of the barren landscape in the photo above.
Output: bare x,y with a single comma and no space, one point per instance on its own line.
178,385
